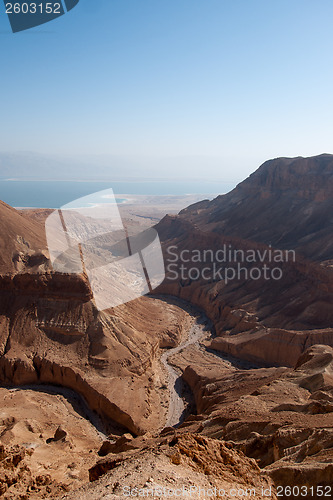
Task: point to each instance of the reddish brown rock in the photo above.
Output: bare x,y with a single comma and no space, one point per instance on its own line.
22,242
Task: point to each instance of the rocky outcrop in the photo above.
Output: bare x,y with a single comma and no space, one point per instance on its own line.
51,285
313,481
271,346
22,242
282,418
41,371
287,203
16,476
263,320
264,280
47,444
184,461
51,333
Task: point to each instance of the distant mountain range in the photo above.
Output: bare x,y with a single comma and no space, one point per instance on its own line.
29,165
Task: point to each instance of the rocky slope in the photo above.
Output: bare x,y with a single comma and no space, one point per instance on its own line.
22,242
272,406
177,464
268,304
47,442
283,418
49,336
254,319
287,202
52,333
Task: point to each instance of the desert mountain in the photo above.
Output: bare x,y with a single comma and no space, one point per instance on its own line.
22,241
287,202
258,374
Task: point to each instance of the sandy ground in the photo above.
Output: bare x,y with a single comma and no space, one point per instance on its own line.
29,420
137,211
149,209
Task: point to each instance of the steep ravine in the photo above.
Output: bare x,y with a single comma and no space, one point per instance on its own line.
175,414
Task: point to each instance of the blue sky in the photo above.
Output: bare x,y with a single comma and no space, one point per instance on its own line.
220,85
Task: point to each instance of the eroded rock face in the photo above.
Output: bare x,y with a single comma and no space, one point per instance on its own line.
178,461
285,205
283,418
280,417
314,481
286,202
51,333
37,460
22,242
264,321
271,346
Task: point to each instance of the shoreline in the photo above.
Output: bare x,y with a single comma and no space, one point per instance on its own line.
152,200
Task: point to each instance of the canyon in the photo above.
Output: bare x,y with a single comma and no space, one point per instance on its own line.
210,382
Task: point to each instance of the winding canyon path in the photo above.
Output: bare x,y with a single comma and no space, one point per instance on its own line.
176,408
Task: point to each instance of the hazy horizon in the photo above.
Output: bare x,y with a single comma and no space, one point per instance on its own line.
192,88
33,165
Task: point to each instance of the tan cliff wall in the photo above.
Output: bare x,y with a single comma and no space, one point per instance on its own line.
51,333
251,317
42,371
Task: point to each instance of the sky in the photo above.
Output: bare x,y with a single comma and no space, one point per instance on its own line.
208,87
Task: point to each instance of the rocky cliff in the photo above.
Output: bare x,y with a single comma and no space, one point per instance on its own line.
262,385
287,202
22,242
271,239
51,333
282,418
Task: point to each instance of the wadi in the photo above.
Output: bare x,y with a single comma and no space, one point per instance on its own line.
203,385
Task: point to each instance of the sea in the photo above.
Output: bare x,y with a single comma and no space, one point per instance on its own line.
55,194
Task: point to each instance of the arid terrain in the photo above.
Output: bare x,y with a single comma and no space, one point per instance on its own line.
206,383
138,212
